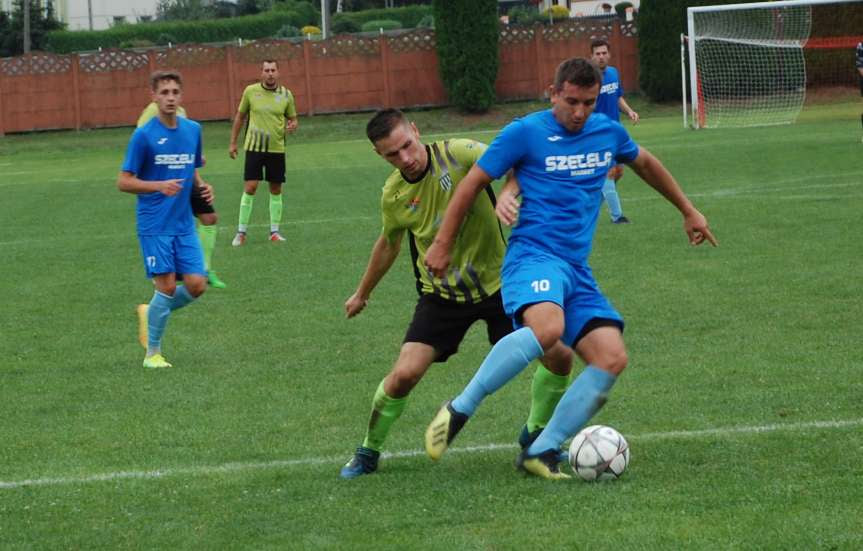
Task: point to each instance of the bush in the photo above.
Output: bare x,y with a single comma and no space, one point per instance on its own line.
288,31
385,24
179,32
137,44
467,48
523,15
556,13
344,26
426,22
410,16
620,9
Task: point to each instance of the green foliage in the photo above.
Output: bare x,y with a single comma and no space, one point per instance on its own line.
409,16
137,44
288,31
385,24
426,22
42,22
344,26
524,15
467,48
620,8
215,30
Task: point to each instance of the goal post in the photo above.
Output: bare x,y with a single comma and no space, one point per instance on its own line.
747,62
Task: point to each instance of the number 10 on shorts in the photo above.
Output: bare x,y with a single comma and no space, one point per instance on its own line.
540,285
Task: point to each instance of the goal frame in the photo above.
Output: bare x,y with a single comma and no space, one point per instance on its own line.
690,30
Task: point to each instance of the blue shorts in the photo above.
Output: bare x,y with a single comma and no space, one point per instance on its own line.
166,254
544,278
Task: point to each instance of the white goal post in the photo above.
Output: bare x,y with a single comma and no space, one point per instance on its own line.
746,62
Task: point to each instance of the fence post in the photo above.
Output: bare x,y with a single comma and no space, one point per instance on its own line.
76,89
537,50
2,80
232,85
307,67
385,69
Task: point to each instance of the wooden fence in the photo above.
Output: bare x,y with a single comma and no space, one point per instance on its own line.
44,91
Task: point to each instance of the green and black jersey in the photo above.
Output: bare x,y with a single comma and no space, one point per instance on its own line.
419,207
152,110
267,110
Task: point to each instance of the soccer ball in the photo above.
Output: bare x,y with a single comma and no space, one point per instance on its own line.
599,453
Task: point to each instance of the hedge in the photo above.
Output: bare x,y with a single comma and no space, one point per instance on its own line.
409,16
212,30
467,49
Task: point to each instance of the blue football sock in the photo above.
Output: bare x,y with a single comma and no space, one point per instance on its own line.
609,191
157,319
506,359
182,297
579,403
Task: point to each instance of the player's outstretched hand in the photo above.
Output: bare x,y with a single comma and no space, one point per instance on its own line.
437,259
232,151
633,116
695,226
507,207
171,187
355,304
206,192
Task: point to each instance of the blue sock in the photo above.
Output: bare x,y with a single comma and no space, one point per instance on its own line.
580,402
609,191
157,319
507,359
182,297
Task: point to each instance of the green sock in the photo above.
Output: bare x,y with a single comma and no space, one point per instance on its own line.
246,202
275,211
385,411
207,235
546,391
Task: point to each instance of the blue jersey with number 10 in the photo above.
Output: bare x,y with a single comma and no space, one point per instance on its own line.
157,153
561,175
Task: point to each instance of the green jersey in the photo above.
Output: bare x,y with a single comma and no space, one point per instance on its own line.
267,111
152,110
419,207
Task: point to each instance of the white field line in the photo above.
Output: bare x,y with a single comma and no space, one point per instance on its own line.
226,468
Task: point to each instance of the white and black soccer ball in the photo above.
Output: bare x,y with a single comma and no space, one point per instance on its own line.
599,453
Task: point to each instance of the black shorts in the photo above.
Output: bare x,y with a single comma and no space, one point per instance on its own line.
256,162
199,206
442,324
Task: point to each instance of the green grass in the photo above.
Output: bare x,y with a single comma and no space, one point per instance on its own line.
738,357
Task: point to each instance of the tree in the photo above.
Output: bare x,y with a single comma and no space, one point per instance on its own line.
42,20
467,47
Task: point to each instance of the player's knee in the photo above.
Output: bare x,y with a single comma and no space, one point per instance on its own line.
208,218
558,359
196,287
613,360
548,336
400,382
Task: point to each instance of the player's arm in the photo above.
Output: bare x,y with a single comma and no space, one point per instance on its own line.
291,124
630,112
239,121
508,202
129,183
652,171
384,253
438,254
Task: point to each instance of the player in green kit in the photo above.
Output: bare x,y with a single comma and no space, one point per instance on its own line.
271,112
414,199
203,210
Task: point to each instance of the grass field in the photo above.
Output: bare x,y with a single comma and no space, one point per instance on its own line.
742,400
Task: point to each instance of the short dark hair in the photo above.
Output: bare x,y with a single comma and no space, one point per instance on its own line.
273,61
158,76
383,122
597,42
578,72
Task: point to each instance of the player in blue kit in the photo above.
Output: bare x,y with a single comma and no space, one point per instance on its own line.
159,168
610,102
560,157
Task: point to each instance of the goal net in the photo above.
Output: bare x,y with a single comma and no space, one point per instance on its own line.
752,64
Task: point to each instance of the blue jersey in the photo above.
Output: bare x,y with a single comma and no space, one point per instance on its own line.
610,91
156,152
561,175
